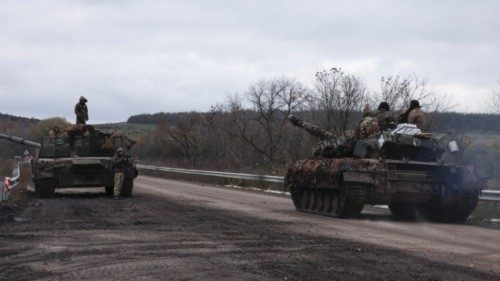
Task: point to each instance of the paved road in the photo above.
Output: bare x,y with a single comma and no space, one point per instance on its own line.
466,245
173,230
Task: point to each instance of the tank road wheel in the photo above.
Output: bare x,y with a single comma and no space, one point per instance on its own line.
334,207
45,188
298,195
304,199
347,203
109,190
327,207
311,206
128,186
320,200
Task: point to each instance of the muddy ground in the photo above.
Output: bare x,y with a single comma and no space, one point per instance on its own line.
87,236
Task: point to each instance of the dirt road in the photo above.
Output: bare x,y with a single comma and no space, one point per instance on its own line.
174,230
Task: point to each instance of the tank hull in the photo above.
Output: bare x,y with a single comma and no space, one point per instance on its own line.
80,172
340,187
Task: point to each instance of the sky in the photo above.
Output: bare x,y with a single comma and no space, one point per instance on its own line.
132,57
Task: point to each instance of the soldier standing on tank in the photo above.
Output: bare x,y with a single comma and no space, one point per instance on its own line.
120,165
81,111
414,115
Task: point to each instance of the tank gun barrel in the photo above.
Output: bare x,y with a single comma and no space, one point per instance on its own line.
311,128
20,140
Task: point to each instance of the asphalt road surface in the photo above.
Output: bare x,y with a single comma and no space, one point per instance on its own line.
173,230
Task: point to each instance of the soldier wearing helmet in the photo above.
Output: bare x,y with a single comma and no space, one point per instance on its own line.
414,115
120,165
385,118
81,111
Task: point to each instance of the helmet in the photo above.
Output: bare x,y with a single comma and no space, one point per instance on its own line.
384,106
120,151
83,99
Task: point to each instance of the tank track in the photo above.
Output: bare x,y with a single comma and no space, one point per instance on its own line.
344,203
457,213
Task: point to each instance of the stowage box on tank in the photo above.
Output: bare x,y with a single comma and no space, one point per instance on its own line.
82,158
403,170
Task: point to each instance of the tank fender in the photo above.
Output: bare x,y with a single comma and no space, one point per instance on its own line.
358,177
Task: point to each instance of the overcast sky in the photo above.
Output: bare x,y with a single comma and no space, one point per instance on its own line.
130,57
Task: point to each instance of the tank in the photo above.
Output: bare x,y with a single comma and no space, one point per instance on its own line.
403,168
82,157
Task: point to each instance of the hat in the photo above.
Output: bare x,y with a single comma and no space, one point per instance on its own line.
414,104
384,105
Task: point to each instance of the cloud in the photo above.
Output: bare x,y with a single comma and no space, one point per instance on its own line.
131,57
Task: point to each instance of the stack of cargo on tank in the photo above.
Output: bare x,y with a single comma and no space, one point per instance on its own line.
403,168
79,158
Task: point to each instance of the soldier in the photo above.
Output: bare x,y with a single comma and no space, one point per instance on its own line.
369,127
54,133
386,119
120,165
81,111
414,115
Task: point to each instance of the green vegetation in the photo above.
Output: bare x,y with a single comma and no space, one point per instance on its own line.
486,210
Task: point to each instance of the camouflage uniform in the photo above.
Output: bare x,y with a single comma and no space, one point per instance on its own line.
369,127
416,116
54,133
81,111
120,164
386,119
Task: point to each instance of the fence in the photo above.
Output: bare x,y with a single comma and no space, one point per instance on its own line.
486,195
9,183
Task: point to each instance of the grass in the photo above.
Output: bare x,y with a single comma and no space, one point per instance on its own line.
486,210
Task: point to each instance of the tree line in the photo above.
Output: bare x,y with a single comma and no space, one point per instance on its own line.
250,131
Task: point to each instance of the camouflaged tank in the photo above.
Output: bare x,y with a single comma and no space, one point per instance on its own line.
79,158
403,168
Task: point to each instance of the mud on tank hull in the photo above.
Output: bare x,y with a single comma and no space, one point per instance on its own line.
340,187
52,173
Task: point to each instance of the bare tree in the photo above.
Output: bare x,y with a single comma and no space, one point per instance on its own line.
491,104
187,134
338,97
398,91
263,126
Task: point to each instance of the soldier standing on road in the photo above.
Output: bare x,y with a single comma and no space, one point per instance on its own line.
120,164
414,115
81,111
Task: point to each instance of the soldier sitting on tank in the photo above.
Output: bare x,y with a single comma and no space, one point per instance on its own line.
72,132
54,133
369,127
386,119
120,165
414,115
